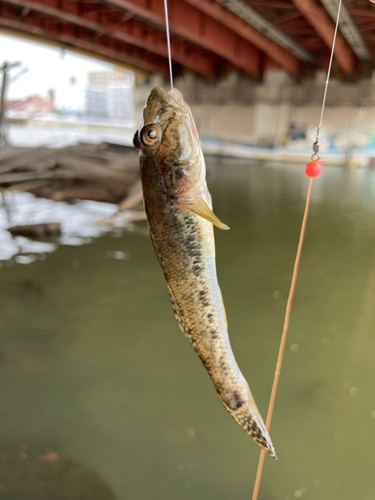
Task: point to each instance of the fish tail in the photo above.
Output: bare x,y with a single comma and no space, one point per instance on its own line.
248,417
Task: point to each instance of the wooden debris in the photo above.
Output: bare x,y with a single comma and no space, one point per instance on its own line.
31,176
36,229
134,196
101,172
27,186
130,216
25,158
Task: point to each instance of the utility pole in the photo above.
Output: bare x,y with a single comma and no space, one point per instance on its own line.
4,68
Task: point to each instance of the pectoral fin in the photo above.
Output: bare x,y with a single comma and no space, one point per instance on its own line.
200,207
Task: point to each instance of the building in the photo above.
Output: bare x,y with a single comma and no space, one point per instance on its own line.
33,104
96,102
120,102
109,94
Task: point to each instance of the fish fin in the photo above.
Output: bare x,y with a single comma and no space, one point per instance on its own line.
200,207
224,312
248,417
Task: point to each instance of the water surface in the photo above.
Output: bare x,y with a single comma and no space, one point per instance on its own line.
95,371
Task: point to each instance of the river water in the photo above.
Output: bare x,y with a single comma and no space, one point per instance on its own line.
99,387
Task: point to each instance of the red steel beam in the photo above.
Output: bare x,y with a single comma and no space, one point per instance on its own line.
286,18
197,27
362,13
363,28
313,43
133,33
270,4
80,38
317,16
218,12
148,37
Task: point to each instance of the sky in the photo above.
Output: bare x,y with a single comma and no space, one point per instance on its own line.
48,67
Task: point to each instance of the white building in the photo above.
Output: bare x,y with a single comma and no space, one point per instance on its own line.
96,102
109,94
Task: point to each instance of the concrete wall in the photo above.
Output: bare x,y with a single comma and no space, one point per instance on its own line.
237,109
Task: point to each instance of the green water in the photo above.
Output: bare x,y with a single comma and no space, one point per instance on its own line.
93,365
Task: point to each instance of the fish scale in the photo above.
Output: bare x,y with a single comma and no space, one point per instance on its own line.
179,214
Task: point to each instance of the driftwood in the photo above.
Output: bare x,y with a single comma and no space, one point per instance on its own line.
134,197
103,172
31,176
130,216
36,229
27,186
23,159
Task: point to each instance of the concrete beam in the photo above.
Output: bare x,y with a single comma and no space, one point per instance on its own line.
269,30
322,24
348,29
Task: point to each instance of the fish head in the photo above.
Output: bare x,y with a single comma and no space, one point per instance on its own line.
167,135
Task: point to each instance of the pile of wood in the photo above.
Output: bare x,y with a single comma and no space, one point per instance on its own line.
104,172
46,228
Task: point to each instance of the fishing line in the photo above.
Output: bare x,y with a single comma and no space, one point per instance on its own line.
312,169
328,73
168,41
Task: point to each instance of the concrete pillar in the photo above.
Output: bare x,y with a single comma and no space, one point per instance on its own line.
272,107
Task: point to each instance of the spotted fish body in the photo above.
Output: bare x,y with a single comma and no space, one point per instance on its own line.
179,213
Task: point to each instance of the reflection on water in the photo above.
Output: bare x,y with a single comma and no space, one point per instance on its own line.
91,356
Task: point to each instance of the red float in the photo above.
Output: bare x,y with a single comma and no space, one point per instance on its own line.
313,168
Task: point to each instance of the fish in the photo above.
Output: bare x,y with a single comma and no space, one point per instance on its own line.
179,213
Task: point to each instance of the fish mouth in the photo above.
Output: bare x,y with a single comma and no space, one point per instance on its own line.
159,106
187,162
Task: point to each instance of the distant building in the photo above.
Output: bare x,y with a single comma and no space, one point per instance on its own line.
33,104
96,103
120,102
106,78
109,94
100,78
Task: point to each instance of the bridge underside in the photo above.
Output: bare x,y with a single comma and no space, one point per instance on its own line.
208,37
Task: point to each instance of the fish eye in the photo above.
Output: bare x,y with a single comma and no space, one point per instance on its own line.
136,141
150,135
